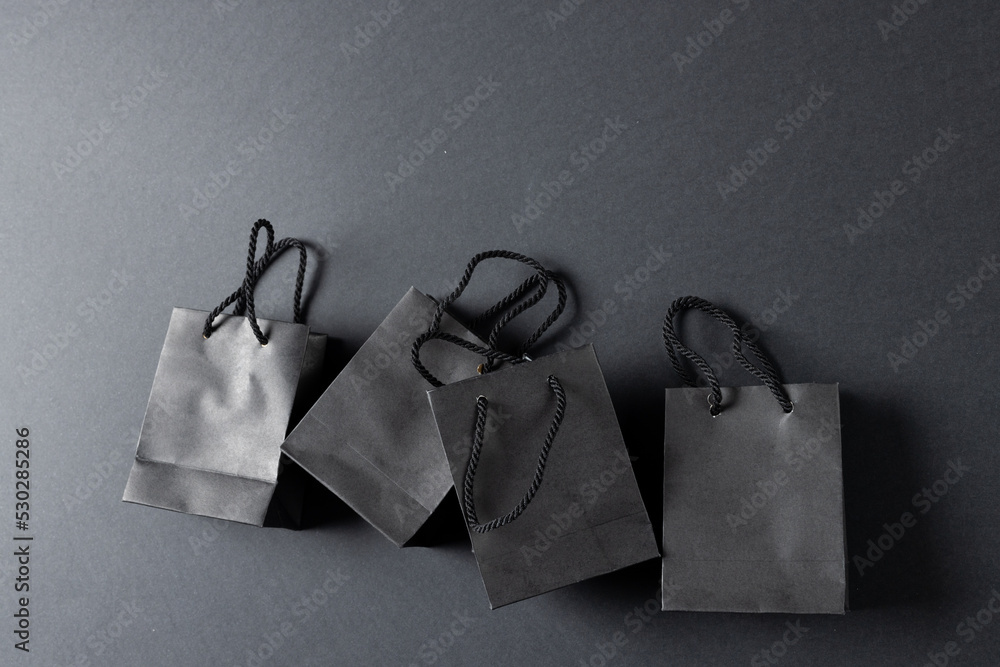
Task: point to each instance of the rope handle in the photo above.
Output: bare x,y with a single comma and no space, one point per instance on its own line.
539,282
509,315
237,296
468,494
243,296
765,373
539,279
492,355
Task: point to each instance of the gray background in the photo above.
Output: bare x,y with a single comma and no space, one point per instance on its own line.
126,585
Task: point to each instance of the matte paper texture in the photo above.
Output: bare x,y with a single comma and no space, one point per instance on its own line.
370,438
753,504
217,413
587,518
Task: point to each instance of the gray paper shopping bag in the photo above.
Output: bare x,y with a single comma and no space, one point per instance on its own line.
220,404
753,507
582,515
540,437
370,438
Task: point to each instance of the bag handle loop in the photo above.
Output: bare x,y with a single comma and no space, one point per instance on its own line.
765,373
539,282
243,296
468,488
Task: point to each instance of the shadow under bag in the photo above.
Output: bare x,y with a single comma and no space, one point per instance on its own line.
546,426
220,403
753,504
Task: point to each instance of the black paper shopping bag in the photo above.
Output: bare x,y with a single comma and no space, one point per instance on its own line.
542,473
753,507
370,438
220,403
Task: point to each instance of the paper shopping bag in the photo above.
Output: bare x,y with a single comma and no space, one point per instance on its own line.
370,438
540,437
753,507
220,403
582,515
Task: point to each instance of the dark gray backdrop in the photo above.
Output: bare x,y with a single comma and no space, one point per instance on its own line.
140,140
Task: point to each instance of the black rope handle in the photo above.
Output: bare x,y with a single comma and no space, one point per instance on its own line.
477,446
561,300
237,296
525,305
765,373
243,296
492,355
539,278
505,304
250,282
539,282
